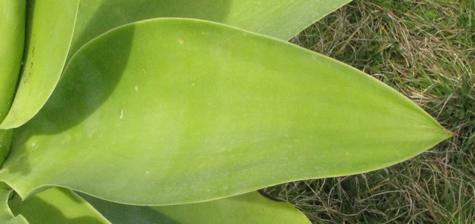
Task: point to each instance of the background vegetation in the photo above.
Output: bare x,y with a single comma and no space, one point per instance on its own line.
426,50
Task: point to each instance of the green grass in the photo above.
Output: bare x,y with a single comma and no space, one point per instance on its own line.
426,50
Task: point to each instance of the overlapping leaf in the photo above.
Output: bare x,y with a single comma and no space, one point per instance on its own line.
280,19
56,206
12,36
63,206
251,208
50,25
5,142
172,111
6,215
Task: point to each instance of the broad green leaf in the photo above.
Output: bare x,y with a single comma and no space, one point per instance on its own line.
248,208
280,19
6,216
172,111
50,25
12,39
56,206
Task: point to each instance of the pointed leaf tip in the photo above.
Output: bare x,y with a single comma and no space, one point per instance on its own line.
200,111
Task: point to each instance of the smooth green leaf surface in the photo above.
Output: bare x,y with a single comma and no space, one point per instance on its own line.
280,19
5,142
50,25
12,39
6,215
172,111
250,208
56,206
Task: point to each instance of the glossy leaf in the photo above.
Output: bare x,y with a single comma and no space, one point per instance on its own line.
49,31
6,216
280,19
12,39
172,111
251,208
57,206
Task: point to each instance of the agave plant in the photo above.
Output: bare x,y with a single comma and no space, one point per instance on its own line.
157,111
